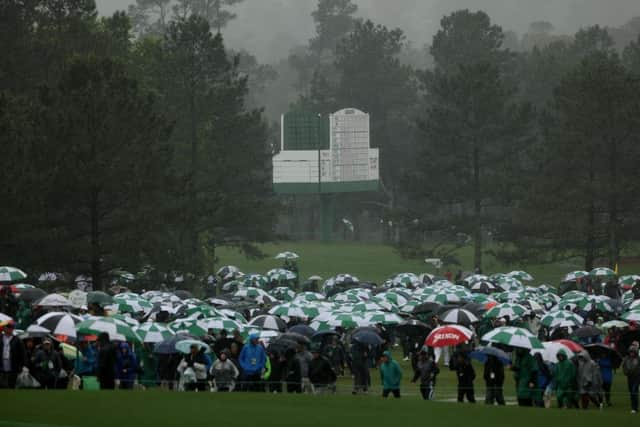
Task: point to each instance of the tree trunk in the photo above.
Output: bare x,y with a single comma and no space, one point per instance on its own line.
193,209
477,210
96,263
590,243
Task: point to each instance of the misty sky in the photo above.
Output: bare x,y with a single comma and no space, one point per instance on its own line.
270,28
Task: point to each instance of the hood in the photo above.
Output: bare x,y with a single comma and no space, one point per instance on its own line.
388,354
125,345
254,337
563,353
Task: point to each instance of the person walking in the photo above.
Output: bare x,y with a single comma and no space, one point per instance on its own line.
13,356
564,376
252,362
494,381
426,371
466,375
106,371
631,369
526,376
391,375
589,381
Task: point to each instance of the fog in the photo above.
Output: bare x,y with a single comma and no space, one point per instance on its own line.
270,28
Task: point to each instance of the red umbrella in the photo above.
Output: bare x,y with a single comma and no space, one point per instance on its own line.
575,347
450,335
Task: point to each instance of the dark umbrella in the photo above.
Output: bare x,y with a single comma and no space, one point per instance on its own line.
281,345
99,297
301,329
476,308
365,328
427,308
168,346
481,353
413,328
182,294
599,348
35,331
587,331
318,336
367,337
293,336
31,295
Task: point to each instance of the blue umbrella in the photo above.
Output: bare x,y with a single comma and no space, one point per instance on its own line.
482,353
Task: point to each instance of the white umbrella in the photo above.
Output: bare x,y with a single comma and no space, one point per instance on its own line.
54,300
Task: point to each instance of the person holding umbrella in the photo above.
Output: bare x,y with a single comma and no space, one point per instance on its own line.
390,375
466,375
564,376
426,371
494,380
631,369
526,376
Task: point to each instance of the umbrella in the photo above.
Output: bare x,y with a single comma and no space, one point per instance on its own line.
116,329
153,332
314,278
283,293
302,329
427,308
271,322
168,346
413,328
521,275
50,277
571,345
615,324
321,334
514,337
484,287
293,336
35,331
482,353
54,300
598,349
11,274
513,311
561,318
281,345
450,335
476,308
98,297
255,280
227,269
550,351
59,323
459,316
575,275
602,273
367,338
287,255
184,346
280,275
5,318
587,331
380,317
220,323
32,294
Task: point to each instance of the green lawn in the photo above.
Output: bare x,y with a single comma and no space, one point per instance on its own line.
158,409
375,262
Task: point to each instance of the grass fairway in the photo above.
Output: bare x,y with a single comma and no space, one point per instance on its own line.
376,262
135,409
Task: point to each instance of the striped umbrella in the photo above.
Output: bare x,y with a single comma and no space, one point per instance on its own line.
11,274
459,316
513,337
575,275
269,322
522,276
309,297
513,311
283,293
255,280
116,329
560,318
197,328
376,317
281,275
59,323
153,332
602,273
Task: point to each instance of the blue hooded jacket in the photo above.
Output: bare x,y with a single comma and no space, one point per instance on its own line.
252,357
88,366
606,369
128,362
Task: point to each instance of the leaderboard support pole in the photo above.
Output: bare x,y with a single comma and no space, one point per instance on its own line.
326,216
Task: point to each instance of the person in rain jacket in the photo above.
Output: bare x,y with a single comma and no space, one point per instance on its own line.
197,362
252,362
466,375
426,371
126,366
87,358
48,365
544,378
631,369
589,381
224,373
526,376
391,375
564,376
606,372
494,381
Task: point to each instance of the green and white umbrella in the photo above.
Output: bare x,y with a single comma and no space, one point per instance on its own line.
381,317
514,337
438,284
255,280
126,319
202,312
409,306
561,318
343,320
11,274
629,280
448,297
153,332
595,303
481,299
602,273
287,255
321,326
511,296
406,280
361,307
631,316
233,315
288,310
385,304
197,328
281,275
575,275
250,293
132,306
218,324
116,329
510,284
339,280
283,293
309,297
393,297
513,311
522,276
345,298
